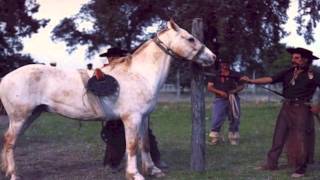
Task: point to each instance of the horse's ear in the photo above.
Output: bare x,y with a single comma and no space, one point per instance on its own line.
172,25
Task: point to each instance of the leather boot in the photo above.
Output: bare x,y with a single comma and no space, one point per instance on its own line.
214,137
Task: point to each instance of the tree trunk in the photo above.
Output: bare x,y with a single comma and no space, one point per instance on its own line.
198,107
178,85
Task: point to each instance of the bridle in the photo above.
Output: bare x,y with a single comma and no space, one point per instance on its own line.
173,54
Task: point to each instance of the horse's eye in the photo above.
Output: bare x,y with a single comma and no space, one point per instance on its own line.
191,40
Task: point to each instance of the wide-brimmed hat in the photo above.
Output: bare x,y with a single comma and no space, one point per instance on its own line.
304,53
114,52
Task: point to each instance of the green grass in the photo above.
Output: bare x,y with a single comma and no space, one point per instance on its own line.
171,123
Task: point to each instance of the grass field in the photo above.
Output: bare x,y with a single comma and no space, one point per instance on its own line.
54,148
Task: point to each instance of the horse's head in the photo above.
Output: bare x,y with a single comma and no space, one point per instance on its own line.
181,44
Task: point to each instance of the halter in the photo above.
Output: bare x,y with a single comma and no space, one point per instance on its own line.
173,54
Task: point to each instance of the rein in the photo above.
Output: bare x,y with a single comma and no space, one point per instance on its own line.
273,91
173,54
218,75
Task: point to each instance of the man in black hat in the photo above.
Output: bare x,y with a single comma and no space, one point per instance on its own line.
225,85
114,53
295,124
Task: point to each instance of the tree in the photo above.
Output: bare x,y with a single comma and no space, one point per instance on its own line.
307,19
276,58
16,22
9,63
115,23
238,30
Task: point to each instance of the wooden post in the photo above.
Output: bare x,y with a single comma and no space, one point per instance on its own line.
198,107
178,83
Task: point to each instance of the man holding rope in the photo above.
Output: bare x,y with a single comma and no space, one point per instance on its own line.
225,85
295,124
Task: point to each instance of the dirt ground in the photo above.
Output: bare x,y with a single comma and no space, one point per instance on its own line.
43,159
47,161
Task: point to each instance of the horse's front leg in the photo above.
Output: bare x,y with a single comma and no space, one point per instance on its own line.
132,124
148,166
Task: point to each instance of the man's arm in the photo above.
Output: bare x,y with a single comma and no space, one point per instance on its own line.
216,91
263,80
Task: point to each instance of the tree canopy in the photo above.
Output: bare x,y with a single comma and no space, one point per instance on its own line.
16,22
238,30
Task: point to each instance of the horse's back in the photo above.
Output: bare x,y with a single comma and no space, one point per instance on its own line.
39,83
34,75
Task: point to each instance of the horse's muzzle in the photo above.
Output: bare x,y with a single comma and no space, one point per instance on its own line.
209,61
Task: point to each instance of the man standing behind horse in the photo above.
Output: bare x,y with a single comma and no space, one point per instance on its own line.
225,85
295,124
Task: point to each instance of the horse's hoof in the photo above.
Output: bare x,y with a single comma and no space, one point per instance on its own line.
134,176
156,172
14,177
159,175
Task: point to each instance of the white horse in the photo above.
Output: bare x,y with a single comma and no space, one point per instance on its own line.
31,89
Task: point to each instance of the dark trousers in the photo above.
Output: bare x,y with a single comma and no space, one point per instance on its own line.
114,136
294,126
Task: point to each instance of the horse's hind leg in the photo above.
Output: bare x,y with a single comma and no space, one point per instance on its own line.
10,137
19,122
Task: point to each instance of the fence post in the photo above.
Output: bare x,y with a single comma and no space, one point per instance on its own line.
198,107
178,83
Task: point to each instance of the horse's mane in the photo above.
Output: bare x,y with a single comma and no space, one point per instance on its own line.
113,61
141,46
146,43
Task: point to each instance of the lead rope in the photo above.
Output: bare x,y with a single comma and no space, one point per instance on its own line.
235,110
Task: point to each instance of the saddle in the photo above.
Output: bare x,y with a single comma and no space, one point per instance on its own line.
103,84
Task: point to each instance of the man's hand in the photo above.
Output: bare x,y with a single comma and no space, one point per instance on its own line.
222,94
246,79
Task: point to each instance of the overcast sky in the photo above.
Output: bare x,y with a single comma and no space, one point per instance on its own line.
40,45
43,49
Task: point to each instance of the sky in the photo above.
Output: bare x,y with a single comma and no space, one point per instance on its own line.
294,39
43,49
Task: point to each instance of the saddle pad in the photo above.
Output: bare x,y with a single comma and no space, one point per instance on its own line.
107,86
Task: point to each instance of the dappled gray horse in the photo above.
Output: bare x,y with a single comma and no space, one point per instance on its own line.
31,89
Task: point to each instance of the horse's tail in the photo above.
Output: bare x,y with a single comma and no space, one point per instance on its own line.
2,110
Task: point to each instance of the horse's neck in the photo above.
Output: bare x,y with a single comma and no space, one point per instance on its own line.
152,64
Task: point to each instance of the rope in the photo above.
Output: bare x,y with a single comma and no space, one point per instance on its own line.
235,110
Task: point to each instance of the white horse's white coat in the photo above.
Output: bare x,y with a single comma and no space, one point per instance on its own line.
62,91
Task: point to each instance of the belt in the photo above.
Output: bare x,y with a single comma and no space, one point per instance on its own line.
297,101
